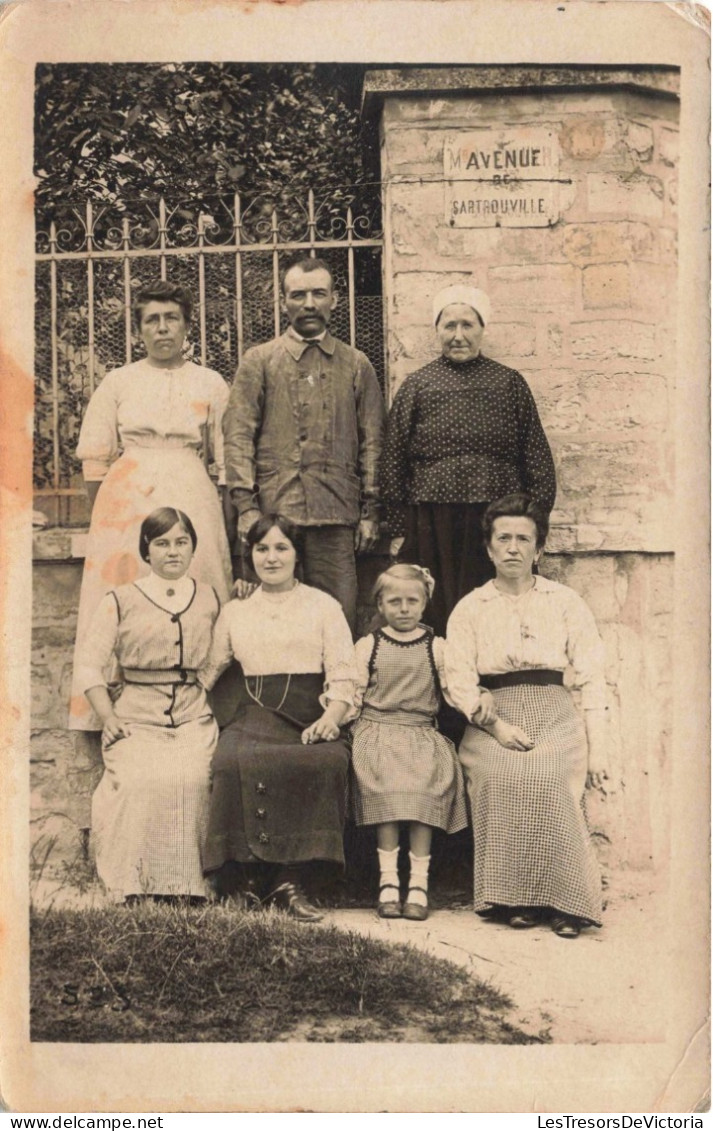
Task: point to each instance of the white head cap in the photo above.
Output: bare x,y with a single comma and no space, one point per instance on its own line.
458,293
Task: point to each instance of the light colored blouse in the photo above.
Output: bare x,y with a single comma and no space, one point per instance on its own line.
132,627
550,626
144,406
300,632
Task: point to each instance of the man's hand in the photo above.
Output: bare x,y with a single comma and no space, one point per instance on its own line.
365,535
242,589
245,521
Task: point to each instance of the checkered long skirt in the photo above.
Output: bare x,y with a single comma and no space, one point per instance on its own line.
406,773
531,842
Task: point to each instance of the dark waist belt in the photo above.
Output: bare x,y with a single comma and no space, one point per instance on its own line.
160,675
539,676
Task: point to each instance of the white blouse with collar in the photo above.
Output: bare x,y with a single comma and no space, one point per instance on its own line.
302,631
550,626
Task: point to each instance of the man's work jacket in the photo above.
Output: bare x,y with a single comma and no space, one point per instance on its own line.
303,432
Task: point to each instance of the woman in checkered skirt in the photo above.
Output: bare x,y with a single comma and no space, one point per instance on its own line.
527,754
403,769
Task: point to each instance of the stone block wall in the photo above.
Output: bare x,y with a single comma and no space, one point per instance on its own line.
585,309
630,595
62,775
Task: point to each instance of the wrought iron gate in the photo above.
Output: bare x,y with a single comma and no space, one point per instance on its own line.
89,262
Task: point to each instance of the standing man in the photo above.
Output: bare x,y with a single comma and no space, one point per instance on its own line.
303,432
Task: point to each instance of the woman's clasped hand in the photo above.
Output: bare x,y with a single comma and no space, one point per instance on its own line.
323,730
114,729
512,737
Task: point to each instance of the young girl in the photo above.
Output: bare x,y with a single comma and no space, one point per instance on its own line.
404,770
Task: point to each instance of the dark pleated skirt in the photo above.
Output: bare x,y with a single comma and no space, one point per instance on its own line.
272,798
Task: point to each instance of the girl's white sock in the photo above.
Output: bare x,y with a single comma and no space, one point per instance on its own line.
418,879
389,872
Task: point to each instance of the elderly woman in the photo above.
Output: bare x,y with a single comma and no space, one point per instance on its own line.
462,431
525,753
147,435
150,809
280,769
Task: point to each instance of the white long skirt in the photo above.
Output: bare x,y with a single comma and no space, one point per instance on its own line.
150,810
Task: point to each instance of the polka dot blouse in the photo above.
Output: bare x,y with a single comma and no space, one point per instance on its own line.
463,433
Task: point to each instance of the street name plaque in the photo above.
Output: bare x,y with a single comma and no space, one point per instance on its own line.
501,178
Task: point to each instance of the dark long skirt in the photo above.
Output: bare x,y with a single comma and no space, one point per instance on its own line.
272,798
447,538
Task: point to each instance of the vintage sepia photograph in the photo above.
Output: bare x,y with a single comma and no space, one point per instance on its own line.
357,558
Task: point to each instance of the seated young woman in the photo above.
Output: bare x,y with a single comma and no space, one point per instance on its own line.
279,772
150,809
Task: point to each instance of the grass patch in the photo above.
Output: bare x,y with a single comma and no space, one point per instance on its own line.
174,973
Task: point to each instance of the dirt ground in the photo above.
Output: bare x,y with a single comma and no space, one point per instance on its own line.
605,986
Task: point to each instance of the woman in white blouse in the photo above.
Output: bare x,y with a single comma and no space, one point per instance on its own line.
280,768
526,753
148,433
